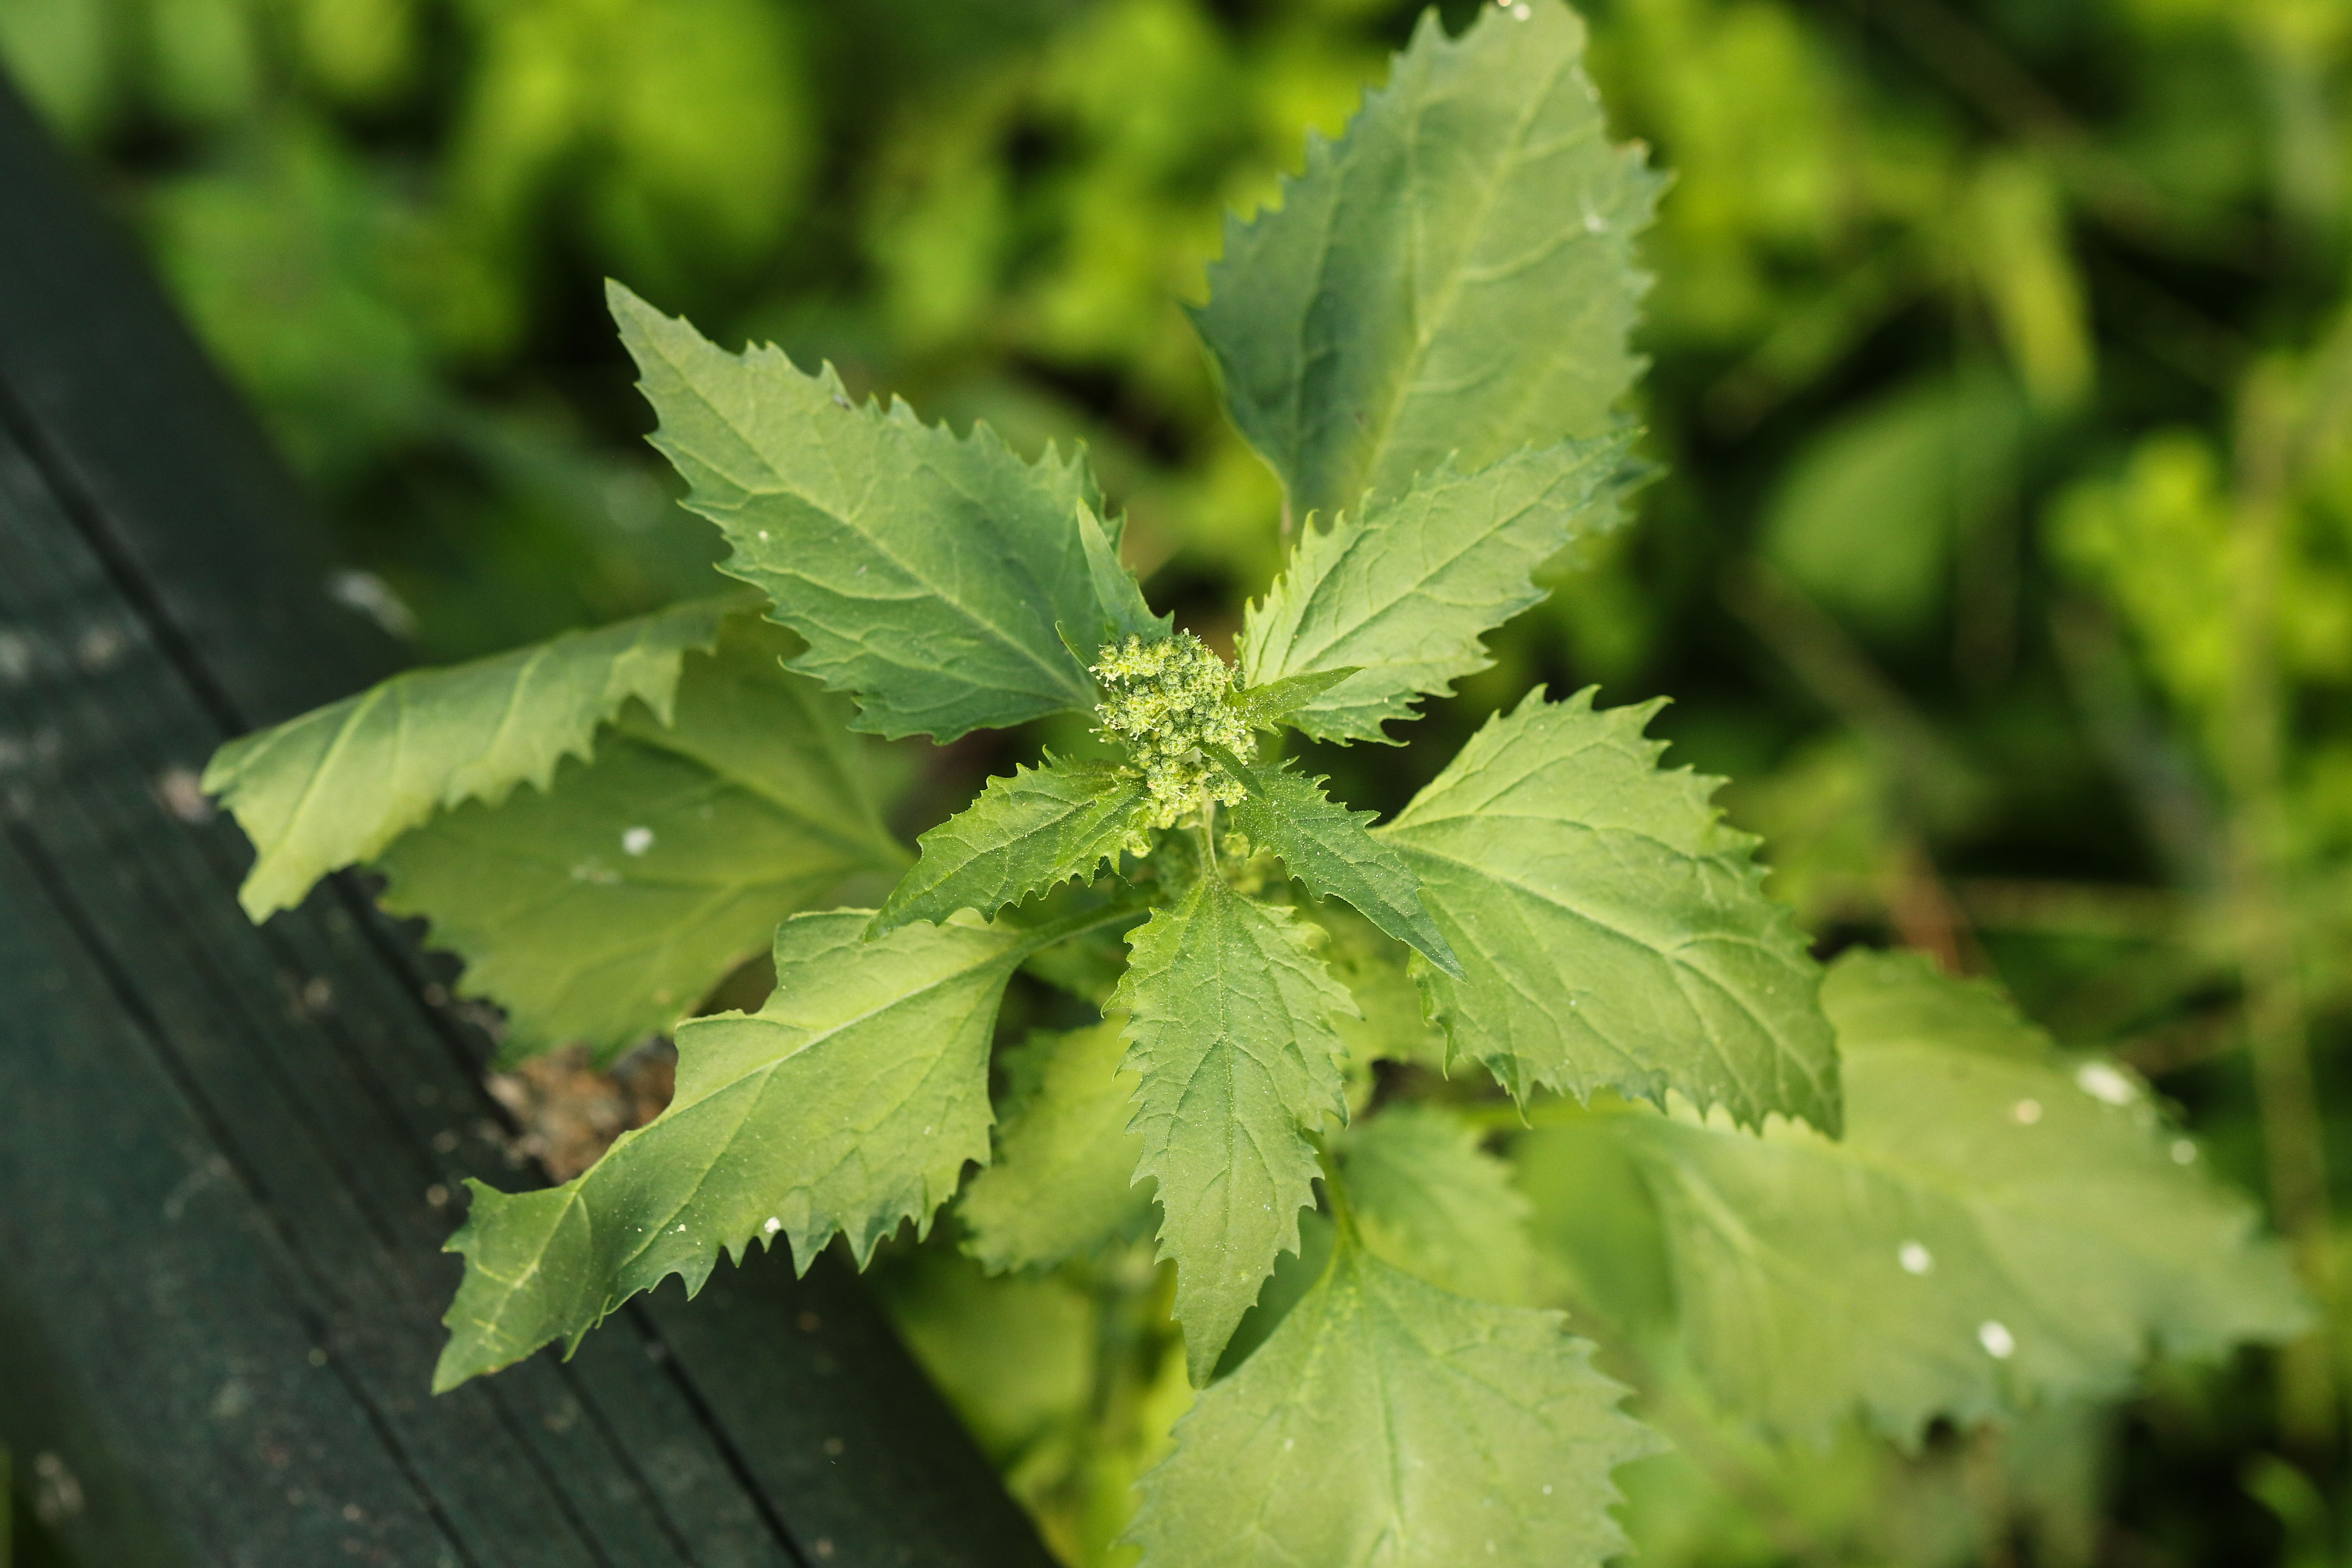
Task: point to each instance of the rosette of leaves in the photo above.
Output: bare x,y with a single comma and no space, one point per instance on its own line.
1426,340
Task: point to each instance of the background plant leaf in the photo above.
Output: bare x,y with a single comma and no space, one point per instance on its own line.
1614,931
1378,321
2000,1227
1064,1177
1229,1027
1431,1201
1376,969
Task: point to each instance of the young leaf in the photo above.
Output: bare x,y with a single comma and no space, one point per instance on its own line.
1429,1200
1126,614
1230,1028
1454,276
1325,845
1065,1173
1615,934
847,1104
604,908
1996,1230
1400,589
1023,834
928,572
1264,706
1386,1424
334,787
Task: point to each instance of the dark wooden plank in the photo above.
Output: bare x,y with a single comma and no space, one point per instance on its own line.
225,1153
174,479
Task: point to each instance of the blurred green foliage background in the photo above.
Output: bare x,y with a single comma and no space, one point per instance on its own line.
2002,387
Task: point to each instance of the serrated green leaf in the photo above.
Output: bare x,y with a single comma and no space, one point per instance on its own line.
1615,932
1229,1025
1328,847
1401,590
928,572
331,788
604,909
1387,1423
1264,706
1429,1200
1454,276
1022,834
1126,612
1064,1179
1999,1228
847,1105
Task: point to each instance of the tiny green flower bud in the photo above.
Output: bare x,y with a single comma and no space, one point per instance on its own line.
1166,700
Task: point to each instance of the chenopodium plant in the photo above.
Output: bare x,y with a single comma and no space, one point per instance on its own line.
1427,340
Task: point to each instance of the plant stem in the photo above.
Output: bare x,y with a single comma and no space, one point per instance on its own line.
1037,938
1335,1189
1208,833
2277,1027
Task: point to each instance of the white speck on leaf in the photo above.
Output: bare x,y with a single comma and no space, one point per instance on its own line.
773,1225
2026,1111
638,840
2184,1153
1998,1341
2104,1084
1914,1257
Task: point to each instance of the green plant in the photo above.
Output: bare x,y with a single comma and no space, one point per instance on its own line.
1878,1191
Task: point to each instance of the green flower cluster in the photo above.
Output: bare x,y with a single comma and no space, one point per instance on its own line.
1166,699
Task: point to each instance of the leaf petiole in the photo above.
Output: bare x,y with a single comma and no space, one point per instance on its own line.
1335,1189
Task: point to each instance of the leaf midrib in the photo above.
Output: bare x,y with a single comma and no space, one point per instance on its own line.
1443,305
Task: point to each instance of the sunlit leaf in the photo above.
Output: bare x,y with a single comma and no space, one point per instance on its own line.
1387,1423
334,787
1612,932
2000,1227
1455,276
1400,589
847,1105
1024,834
1229,1029
931,573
